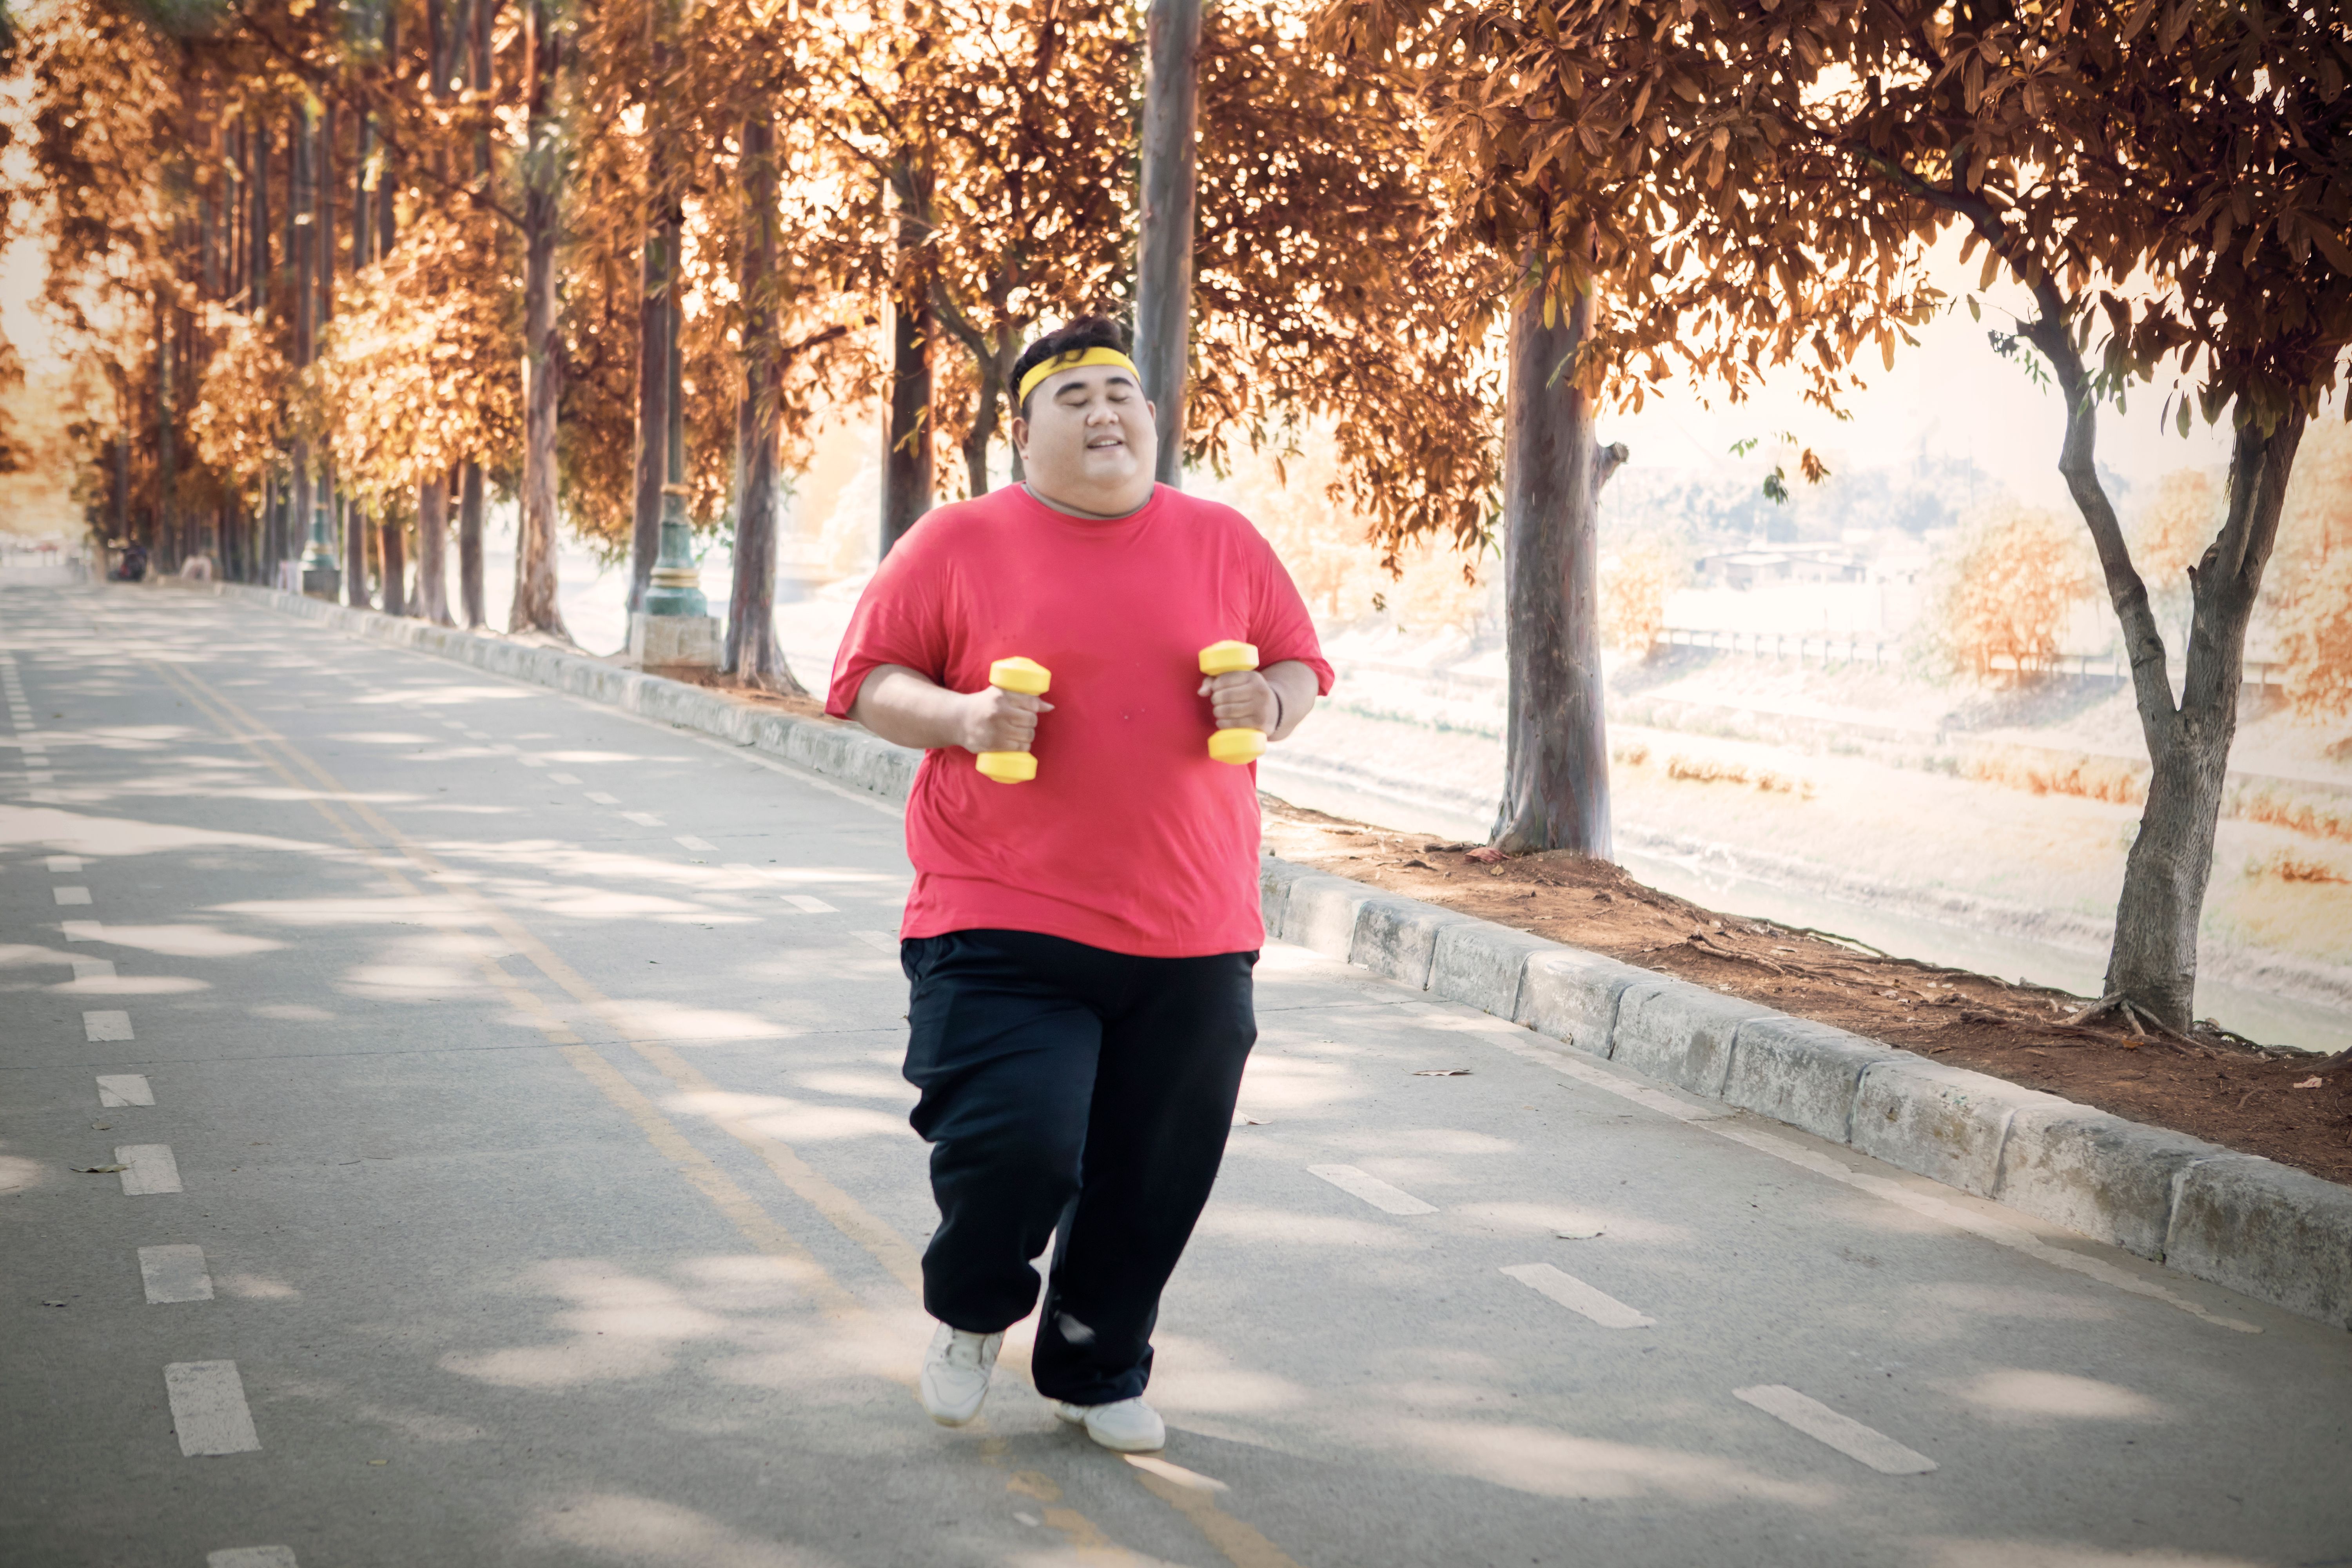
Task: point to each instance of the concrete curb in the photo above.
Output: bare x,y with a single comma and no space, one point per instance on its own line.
2266,1230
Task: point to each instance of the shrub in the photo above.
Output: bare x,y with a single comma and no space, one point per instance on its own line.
2007,596
1634,588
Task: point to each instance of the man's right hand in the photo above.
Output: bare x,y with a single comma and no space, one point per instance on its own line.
995,720
906,707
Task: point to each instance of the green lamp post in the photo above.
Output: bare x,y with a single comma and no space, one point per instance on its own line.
322,574
675,587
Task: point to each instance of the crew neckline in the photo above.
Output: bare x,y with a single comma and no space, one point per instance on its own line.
1078,521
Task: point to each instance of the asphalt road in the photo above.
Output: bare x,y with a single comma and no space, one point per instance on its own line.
526,1181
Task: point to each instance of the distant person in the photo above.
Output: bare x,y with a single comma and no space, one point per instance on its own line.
1080,946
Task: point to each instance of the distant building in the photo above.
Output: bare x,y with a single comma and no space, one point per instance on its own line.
1764,565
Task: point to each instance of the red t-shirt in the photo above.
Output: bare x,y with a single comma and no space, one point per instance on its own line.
1131,838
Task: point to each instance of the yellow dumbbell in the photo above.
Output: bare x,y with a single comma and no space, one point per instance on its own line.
1030,678
1235,746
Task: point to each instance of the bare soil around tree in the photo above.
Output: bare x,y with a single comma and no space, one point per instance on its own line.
2288,1105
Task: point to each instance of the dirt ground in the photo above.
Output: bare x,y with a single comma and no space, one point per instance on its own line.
2288,1105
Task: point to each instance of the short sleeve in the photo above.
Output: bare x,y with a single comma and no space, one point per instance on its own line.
901,618
1279,623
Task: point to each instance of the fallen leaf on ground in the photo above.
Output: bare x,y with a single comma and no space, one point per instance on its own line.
2312,1083
98,1170
1486,854
53,1303
1440,1072
1579,1233
1243,1119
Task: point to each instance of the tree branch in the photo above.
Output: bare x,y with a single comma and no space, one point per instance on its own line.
329,84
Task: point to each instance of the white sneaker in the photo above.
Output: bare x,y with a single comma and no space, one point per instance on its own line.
955,1374
1124,1425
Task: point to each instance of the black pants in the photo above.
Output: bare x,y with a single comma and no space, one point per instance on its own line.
1066,1086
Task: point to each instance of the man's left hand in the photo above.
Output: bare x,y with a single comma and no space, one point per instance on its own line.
1242,700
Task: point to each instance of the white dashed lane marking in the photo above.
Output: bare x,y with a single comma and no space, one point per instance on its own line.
124,1089
689,841
1372,1189
174,1274
1847,1435
601,798
82,930
882,940
70,895
642,818
252,1557
148,1169
809,905
1578,1297
208,1408
65,863
93,968
111,1023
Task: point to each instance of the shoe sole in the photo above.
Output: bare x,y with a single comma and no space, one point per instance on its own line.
966,1419
1101,1442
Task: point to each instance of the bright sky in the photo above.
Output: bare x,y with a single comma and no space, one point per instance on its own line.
1952,393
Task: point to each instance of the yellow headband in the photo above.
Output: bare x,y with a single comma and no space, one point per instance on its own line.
1072,361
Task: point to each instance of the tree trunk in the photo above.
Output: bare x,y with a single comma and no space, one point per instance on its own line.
534,608
1163,262
298,512
432,539
1556,771
322,198
477,73
907,453
471,592
2152,966
167,457
752,656
657,318
396,564
302,256
363,224
266,567
653,403
123,470
985,418
385,220
355,556
469,548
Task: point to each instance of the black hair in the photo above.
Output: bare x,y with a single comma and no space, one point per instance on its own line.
1076,337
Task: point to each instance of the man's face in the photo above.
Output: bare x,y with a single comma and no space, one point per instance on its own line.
1089,442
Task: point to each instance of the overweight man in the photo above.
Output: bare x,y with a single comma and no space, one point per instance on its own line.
1079,946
